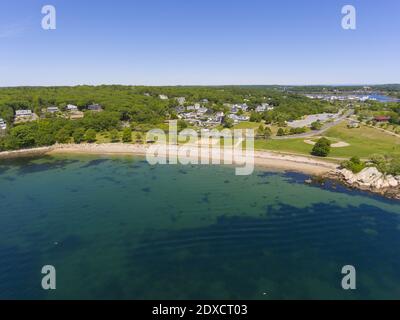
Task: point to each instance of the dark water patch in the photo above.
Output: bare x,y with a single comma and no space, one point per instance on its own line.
68,244
20,273
295,177
4,169
266,174
146,190
274,248
108,179
94,163
46,164
9,179
206,198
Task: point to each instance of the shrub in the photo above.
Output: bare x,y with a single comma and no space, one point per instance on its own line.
78,135
321,148
280,132
354,164
90,136
127,135
317,125
114,136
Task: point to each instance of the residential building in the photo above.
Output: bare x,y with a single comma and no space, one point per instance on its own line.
71,108
23,113
244,107
181,100
3,125
52,109
202,110
180,109
163,97
261,108
234,109
95,107
382,118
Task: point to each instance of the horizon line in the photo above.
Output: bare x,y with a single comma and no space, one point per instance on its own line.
204,85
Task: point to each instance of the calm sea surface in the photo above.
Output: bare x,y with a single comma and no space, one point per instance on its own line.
117,228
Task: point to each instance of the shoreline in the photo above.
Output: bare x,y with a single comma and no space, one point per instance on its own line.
266,159
270,160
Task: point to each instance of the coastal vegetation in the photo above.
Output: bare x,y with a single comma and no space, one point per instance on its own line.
128,112
322,147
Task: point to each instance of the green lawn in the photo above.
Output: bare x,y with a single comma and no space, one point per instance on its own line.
247,125
364,142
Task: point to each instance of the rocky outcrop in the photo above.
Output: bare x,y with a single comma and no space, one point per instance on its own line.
370,179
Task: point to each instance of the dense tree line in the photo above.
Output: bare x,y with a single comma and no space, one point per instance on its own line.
140,106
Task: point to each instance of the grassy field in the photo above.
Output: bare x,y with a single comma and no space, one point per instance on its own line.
364,142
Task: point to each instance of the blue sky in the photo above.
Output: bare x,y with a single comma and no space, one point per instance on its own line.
199,42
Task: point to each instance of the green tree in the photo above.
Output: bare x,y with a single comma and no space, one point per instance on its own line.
182,124
22,137
139,137
228,122
114,135
260,130
255,117
78,135
62,136
317,125
127,135
90,135
280,132
321,148
267,133
354,164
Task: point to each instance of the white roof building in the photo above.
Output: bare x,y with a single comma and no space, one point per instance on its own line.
181,100
163,97
71,107
23,113
52,109
202,110
3,125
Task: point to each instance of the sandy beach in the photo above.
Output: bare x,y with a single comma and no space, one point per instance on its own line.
265,159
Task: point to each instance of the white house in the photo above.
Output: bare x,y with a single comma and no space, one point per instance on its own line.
202,110
71,107
244,107
52,109
3,125
264,107
181,100
23,113
234,109
163,97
